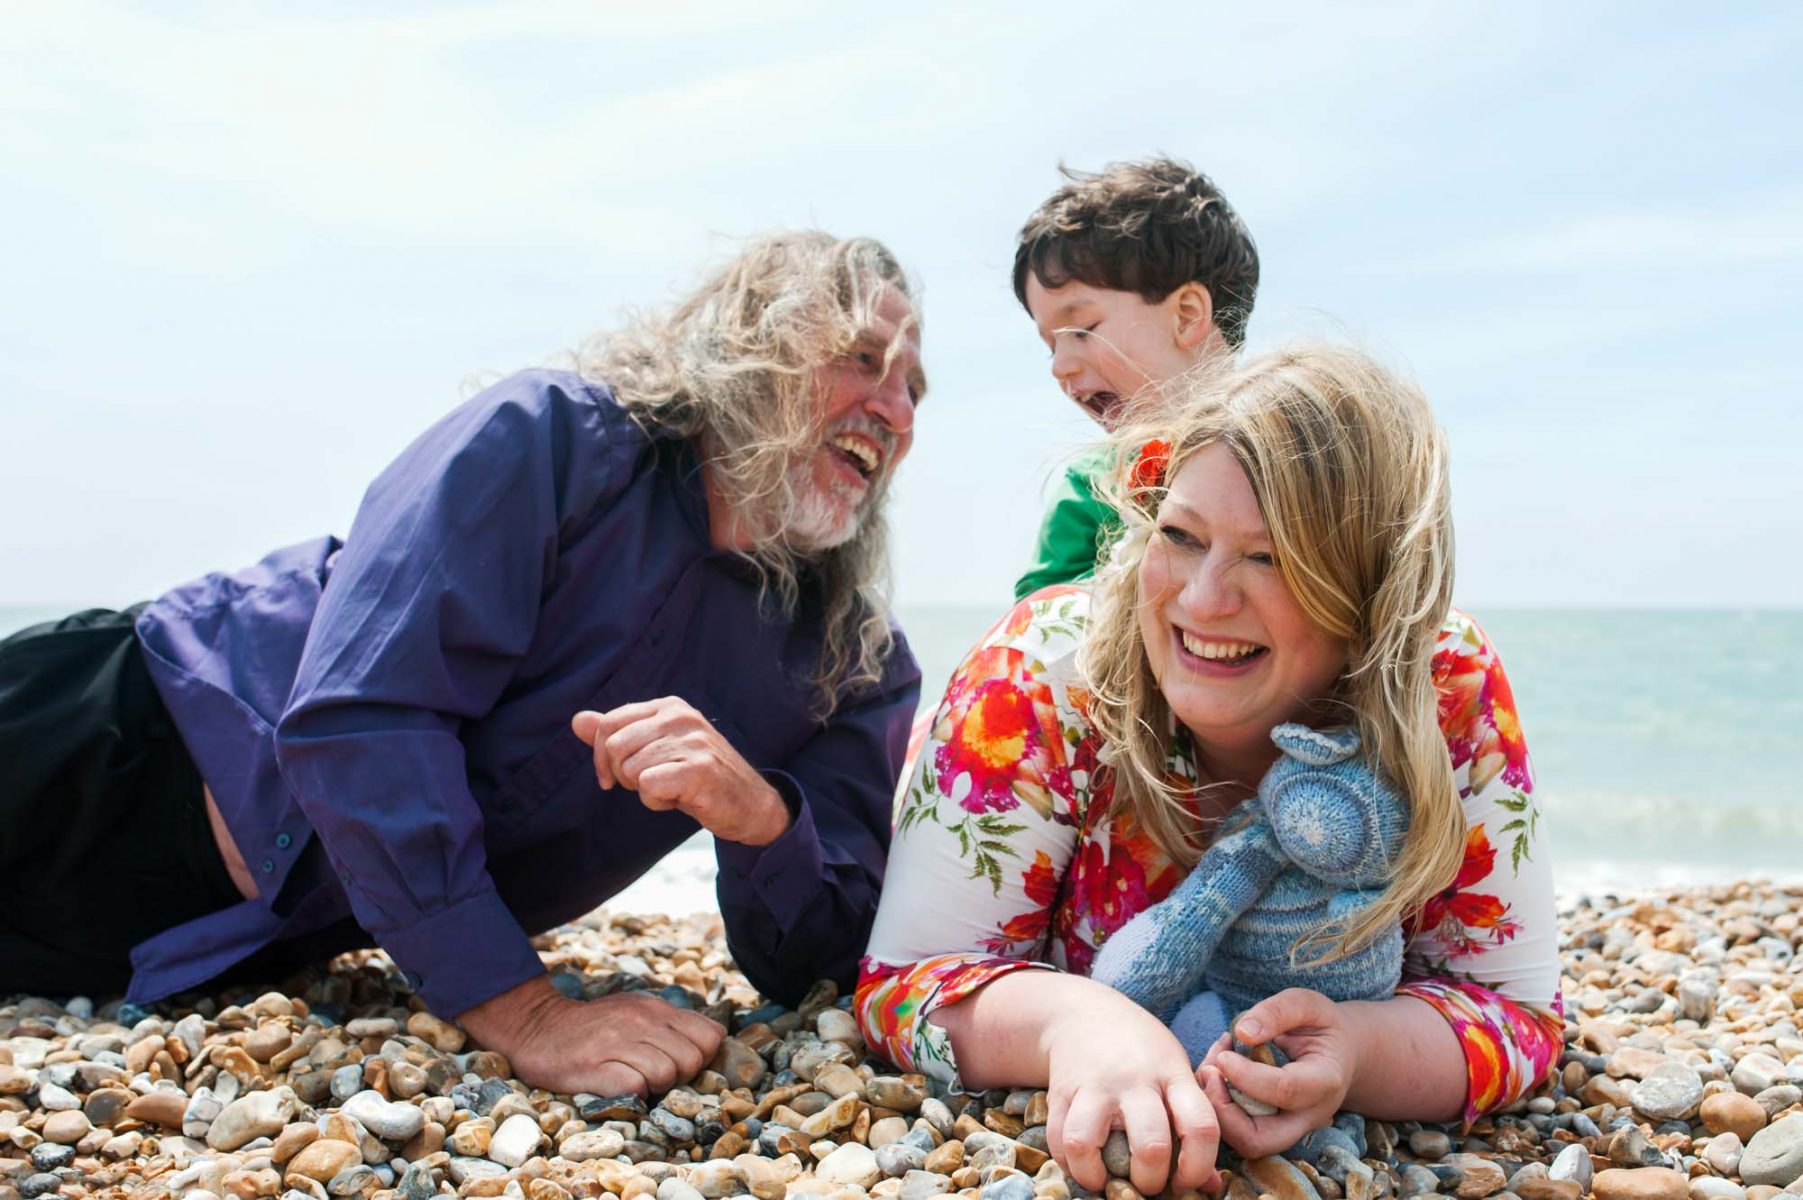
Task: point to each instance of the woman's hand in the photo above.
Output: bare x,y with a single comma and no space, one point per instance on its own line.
1307,1091
1112,1065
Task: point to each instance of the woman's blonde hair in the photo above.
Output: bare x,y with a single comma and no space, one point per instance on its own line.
1350,472
733,367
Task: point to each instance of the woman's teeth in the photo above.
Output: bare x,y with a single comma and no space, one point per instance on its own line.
1217,650
861,451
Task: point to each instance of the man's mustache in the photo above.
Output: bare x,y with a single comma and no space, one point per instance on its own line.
859,423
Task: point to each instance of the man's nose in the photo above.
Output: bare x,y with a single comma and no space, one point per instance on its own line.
892,403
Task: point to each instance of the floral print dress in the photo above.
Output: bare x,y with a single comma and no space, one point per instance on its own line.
1005,857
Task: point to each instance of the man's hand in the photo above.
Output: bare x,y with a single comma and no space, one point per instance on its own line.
673,757
1308,1090
626,1042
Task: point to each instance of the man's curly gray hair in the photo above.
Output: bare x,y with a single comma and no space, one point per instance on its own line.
733,367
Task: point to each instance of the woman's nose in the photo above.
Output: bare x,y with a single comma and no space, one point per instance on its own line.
1211,592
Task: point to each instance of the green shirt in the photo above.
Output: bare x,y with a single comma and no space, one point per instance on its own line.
1076,528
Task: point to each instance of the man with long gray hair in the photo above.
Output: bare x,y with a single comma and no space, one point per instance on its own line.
585,614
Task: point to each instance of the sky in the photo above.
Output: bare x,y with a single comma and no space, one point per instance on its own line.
251,250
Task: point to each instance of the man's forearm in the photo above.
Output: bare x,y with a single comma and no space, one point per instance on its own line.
1410,1066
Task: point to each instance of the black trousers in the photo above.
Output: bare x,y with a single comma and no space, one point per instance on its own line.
103,829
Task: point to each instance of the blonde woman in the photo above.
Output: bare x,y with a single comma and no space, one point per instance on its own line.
1287,556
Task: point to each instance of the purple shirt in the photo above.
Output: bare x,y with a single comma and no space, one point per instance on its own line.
384,723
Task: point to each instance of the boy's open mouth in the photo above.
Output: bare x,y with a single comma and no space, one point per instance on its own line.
1098,404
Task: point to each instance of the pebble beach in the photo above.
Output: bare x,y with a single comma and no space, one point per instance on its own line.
1680,1079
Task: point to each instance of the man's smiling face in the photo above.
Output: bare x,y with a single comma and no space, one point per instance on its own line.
867,396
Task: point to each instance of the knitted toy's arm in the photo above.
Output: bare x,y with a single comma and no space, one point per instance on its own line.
1331,811
1159,957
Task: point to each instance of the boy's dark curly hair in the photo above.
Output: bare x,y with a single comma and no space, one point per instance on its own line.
1147,227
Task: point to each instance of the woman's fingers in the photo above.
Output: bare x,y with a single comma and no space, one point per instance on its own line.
1301,1084
1198,1133
1253,1137
1290,1009
1148,1127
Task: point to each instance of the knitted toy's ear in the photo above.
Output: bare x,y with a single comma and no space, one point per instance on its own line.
1316,747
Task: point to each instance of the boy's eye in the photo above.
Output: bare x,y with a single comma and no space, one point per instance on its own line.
1075,332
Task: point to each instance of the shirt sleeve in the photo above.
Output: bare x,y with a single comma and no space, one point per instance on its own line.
985,833
800,909
1073,532
1484,951
429,607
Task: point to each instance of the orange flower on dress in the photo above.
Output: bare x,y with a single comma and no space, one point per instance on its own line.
1024,931
1454,912
998,735
1478,719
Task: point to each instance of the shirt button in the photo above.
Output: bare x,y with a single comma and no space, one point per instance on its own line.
283,841
269,866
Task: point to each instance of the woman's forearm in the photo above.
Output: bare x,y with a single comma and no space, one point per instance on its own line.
1003,1034
1410,1065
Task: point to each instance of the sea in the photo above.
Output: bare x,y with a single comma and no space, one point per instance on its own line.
1667,746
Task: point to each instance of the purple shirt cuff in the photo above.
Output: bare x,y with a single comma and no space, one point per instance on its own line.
783,876
462,955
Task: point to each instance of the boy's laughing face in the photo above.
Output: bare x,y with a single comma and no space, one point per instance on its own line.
1106,345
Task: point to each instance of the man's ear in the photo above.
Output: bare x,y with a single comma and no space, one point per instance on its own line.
1194,315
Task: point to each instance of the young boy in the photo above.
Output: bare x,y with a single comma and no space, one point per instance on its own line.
1132,276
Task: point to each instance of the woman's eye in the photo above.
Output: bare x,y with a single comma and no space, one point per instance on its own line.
1176,535
1263,560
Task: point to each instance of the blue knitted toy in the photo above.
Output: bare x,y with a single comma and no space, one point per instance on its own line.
1316,846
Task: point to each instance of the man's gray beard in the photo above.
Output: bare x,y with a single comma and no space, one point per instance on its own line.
816,522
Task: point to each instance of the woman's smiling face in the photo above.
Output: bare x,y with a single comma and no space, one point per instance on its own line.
1232,650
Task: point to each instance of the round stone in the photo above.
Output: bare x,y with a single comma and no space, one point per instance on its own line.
1732,1112
1641,1183
66,1128
1431,1144
851,1165
1670,1092
1774,1155
389,1120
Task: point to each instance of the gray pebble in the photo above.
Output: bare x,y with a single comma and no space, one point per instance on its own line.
922,1185
48,1156
1417,1180
898,1158
347,1081
1012,1186
674,1127
1117,1155
1572,1163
